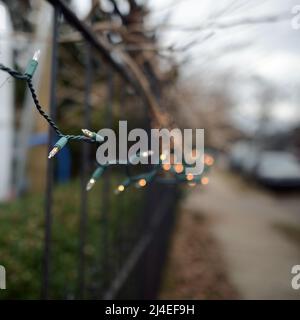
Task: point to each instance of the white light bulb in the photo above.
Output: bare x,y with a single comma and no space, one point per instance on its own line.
90,184
36,55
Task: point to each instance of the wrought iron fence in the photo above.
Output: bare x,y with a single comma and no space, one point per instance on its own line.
132,245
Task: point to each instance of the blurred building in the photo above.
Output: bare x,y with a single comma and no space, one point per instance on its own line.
7,105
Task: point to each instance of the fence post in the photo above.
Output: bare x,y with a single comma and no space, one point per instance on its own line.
50,165
84,172
107,188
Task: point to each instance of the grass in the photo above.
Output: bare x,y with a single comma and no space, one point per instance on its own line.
22,236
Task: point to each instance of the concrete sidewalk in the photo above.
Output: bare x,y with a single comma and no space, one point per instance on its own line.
248,222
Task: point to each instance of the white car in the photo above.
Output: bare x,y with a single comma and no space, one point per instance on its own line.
278,169
243,157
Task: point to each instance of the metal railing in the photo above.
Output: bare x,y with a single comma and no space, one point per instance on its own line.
132,253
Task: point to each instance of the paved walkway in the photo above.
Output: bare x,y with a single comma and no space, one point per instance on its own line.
250,226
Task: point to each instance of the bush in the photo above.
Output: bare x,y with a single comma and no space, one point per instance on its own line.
22,237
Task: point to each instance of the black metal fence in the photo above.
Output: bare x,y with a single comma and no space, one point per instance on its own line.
132,249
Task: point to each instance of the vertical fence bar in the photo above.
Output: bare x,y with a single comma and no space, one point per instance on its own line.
140,276
46,264
105,227
84,173
121,233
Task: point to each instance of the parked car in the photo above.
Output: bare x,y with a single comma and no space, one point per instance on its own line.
250,161
278,169
237,155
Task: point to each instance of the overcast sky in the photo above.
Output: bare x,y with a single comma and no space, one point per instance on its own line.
266,45
269,51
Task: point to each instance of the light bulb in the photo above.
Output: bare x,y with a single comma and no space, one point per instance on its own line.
204,180
208,160
87,133
36,55
95,176
166,167
53,152
121,188
189,177
163,157
142,182
32,64
92,135
90,184
57,147
147,153
178,168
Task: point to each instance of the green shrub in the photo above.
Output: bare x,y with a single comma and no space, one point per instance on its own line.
22,238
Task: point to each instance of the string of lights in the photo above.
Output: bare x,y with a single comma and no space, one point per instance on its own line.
162,172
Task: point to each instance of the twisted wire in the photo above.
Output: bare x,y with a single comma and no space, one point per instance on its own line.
18,75
13,73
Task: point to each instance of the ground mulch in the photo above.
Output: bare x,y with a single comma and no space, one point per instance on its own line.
195,268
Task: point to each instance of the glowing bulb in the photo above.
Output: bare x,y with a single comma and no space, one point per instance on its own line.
87,133
189,177
53,152
36,55
32,64
178,168
166,167
208,160
58,146
204,180
90,184
163,157
142,182
92,135
147,153
96,175
121,188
